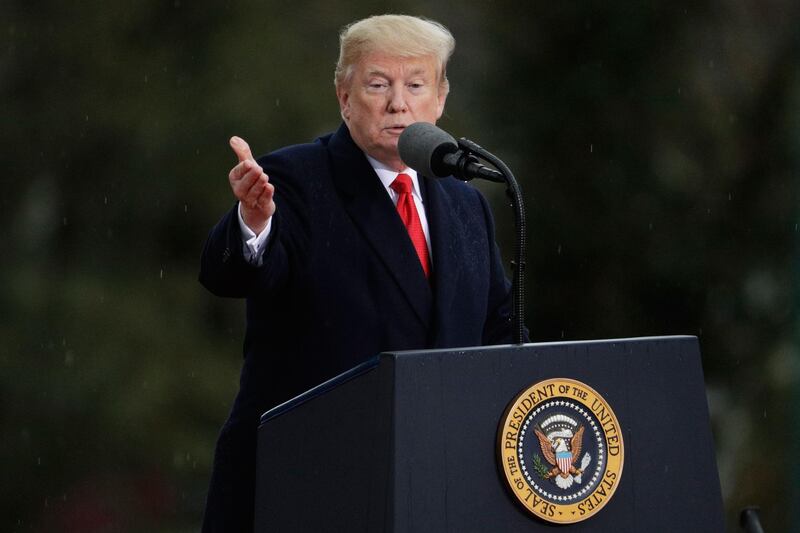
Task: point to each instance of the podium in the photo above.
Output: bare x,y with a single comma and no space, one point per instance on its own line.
410,441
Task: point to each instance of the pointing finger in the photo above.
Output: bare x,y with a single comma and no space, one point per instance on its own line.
240,148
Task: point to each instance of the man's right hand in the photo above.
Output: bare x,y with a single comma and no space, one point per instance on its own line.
251,187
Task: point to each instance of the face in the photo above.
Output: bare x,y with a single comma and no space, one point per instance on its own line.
384,95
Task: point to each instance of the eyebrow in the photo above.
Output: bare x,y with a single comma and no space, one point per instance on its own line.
382,73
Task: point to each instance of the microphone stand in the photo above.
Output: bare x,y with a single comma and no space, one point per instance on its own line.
514,193
749,520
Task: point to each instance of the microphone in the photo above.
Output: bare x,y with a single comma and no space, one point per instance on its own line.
435,153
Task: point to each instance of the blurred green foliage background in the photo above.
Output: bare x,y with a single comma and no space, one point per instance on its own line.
657,143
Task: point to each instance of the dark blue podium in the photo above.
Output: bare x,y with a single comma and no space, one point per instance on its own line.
408,441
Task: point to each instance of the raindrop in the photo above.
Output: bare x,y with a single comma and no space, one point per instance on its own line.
277,102
161,273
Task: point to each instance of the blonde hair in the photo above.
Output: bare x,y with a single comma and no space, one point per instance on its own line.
395,35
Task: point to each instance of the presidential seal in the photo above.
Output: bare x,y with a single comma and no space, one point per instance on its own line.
560,450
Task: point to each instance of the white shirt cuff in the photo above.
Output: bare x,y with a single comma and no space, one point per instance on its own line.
253,245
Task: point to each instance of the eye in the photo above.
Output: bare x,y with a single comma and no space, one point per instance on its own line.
375,86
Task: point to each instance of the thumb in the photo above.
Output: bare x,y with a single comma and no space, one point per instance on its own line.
240,148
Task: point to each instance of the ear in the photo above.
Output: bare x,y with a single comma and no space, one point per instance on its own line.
343,95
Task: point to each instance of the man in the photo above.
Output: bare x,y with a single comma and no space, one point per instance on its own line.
337,261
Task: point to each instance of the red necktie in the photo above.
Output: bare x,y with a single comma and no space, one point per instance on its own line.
408,214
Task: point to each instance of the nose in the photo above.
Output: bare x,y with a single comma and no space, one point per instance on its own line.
397,102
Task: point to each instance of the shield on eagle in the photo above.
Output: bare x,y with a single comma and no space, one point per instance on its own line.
564,460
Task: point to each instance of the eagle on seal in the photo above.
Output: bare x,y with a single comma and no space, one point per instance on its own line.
562,451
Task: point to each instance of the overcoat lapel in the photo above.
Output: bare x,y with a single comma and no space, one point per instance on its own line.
445,222
375,215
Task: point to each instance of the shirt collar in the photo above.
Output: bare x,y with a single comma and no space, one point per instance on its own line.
388,175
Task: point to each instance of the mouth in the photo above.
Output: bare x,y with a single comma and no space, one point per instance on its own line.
395,129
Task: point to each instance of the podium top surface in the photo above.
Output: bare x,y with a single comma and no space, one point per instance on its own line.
373,362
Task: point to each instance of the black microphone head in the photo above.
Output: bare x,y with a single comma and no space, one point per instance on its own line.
422,147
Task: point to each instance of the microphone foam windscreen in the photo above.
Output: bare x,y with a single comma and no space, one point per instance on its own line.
421,145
